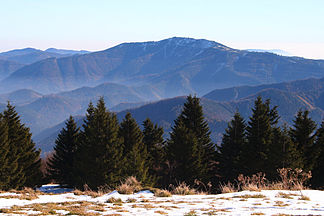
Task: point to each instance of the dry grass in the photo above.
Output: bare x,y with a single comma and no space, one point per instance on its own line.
286,195
227,188
256,182
131,200
161,212
247,196
129,186
183,189
191,213
26,194
291,179
91,193
162,193
114,200
280,204
303,197
294,179
73,208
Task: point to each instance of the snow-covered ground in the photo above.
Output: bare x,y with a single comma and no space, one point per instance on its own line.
268,202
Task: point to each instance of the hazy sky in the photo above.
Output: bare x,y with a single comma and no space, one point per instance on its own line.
296,26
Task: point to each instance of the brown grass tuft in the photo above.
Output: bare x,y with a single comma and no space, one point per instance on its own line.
130,186
227,188
162,193
183,189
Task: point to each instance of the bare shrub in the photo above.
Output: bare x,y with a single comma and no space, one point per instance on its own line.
227,188
293,179
256,182
87,191
206,188
183,189
129,186
162,193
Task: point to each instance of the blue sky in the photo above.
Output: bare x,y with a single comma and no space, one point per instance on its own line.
296,26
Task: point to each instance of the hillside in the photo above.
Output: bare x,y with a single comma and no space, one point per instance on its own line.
43,111
8,67
218,112
20,97
30,55
175,66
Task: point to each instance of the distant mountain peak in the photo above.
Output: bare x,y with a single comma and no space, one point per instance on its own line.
179,42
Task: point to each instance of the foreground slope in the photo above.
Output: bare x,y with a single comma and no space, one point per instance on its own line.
145,203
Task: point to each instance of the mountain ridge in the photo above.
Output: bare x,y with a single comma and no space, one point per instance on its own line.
174,66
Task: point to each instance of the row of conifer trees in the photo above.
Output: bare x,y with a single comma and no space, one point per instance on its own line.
261,145
104,151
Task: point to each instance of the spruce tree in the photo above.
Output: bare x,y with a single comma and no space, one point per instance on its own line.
135,151
4,150
287,155
61,164
303,136
191,136
185,156
256,155
99,154
22,151
233,142
318,171
154,143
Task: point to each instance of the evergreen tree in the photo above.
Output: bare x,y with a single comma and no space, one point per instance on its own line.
185,156
134,150
190,141
22,151
256,154
318,171
303,136
287,154
99,155
4,150
233,142
61,164
154,142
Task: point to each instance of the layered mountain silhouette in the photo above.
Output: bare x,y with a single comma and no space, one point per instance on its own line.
175,66
8,67
42,111
147,79
219,107
30,55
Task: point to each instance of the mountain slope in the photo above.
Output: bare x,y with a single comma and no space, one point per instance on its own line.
289,97
20,97
40,112
8,67
310,90
28,55
31,55
174,66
